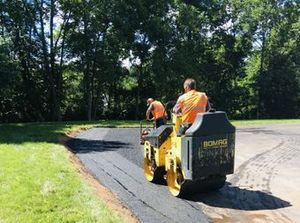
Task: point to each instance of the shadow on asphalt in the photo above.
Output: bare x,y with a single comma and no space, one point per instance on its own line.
86,146
229,196
260,131
233,197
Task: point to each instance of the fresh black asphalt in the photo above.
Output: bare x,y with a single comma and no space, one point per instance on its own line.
115,158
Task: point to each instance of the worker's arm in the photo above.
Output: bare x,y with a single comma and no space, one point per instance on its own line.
208,106
179,105
149,111
166,114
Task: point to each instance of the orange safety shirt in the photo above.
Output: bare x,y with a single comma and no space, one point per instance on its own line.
158,110
190,104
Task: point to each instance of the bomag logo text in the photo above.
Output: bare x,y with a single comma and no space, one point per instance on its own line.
219,143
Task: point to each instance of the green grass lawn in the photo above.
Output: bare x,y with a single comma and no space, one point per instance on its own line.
38,183
265,122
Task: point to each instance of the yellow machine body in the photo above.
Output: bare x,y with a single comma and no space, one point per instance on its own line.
158,153
182,160
160,161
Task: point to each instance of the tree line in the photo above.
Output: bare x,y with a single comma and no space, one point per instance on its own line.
101,59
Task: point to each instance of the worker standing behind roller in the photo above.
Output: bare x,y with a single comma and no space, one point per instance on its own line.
190,104
158,112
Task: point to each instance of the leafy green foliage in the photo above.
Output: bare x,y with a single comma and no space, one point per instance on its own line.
68,57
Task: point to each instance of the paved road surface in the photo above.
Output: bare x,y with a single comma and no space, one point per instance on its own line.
264,188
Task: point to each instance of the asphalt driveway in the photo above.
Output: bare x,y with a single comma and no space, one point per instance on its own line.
264,188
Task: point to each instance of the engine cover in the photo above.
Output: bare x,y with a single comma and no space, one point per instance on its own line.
158,136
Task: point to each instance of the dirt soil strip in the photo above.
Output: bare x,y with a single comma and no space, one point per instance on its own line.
110,199
115,158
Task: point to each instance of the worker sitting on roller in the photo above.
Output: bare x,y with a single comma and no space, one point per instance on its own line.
190,104
158,112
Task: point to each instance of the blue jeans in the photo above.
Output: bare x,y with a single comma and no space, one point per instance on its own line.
159,122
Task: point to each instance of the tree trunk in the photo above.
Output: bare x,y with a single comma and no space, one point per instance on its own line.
55,104
138,95
261,70
46,64
60,79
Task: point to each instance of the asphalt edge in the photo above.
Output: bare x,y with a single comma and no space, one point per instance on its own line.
112,201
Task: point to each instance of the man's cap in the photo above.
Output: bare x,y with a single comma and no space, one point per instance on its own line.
149,101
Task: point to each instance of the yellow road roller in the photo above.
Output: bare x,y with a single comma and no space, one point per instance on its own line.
197,161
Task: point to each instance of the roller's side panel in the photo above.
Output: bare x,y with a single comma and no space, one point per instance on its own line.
208,147
207,155
213,160
160,152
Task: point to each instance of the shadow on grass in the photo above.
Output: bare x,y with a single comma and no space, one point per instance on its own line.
233,197
51,132
23,133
